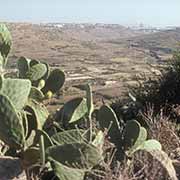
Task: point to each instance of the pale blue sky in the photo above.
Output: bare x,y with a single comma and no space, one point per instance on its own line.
149,12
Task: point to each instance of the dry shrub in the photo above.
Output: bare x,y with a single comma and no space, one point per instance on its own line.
161,128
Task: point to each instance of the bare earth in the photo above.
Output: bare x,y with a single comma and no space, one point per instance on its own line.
108,56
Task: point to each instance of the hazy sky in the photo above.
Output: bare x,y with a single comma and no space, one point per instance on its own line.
149,12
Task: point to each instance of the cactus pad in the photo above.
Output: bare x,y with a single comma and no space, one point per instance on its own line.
23,66
131,133
39,113
36,94
36,72
11,126
84,155
17,91
74,110
55,81
108,120
5,41
69,137
67,173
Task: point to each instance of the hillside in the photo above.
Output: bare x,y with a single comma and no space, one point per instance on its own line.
108,56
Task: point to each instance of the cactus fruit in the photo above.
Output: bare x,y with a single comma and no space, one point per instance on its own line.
11,126
17,91
41,84
74,110
49,95
55,81
107,120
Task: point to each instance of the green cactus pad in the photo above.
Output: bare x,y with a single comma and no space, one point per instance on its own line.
5,41
47,140
47,72
107,120
36,94
74,110
39,113
131,133
17,91
69,137
36,72
84,155
23,66
11,126
150,145
33,62
55,81
139,141
23,116
67,173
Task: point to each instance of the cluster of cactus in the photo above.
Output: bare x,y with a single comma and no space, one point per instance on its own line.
73,152
131,136
39,73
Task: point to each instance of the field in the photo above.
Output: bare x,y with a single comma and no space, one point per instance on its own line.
110,57
89,101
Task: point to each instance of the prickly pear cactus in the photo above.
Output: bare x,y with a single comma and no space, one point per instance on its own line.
150,145
107,120
17,91
64,172
23,66
30,157
5,43
141,139
69,137
11,126
36,94
74,110
39,114
131,133
36,72
84,155
55,81
33,62
47,72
